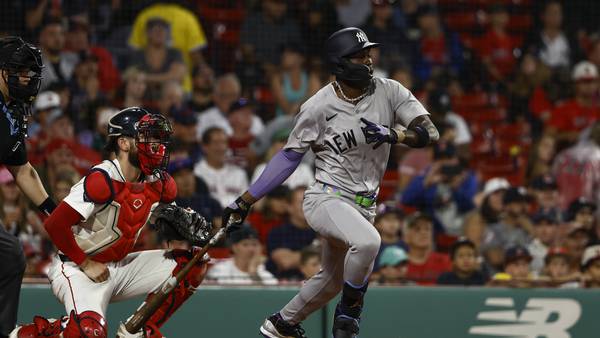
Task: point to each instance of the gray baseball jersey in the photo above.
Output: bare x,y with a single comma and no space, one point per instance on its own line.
332,128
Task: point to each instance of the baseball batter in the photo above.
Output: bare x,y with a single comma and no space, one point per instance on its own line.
96,227
350,126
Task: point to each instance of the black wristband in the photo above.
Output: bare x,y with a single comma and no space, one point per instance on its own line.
242,204
47,206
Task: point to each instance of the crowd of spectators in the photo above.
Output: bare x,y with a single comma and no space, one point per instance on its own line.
509,196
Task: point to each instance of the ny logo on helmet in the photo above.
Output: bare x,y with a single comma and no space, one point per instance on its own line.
361,37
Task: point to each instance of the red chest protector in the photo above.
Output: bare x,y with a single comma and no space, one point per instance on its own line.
127,208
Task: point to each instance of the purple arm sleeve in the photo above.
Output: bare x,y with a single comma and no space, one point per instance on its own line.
281,166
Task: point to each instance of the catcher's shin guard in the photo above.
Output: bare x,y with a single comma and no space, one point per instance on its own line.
88,324
180,293
41,327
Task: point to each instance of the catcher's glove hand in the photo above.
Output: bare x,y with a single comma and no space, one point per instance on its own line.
176,223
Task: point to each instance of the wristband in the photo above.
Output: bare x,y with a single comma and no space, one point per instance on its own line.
47,206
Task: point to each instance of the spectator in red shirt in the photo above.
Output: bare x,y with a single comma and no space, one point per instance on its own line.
424,264
572,116
496,50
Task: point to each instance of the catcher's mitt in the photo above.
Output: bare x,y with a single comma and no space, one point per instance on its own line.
176,223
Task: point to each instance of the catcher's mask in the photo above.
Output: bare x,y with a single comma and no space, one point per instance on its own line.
21,60
153,134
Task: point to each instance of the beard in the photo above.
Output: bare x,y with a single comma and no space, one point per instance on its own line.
133,158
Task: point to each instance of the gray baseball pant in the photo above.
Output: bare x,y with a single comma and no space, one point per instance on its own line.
350,245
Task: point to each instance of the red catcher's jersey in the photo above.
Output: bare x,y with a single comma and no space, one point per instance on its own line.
114,211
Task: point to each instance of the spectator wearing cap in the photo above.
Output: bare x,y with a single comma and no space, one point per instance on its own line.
393,266
292,83
246,266
517,267
577,169
445,191
465,269
577,239
437,51
239,117
310,261
226,92
184,131
545,231
395,48
572,116
497,45
271,212
545,191
425,265
46,105
203,82
489,210
389,222
225,181
285,242
157,59
59,65
191,190
513,228
590,265
558,268
582,212
304,174
186,33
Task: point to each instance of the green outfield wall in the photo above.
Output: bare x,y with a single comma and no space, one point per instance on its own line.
406,312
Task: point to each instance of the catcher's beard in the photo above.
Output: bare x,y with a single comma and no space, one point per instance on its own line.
133,157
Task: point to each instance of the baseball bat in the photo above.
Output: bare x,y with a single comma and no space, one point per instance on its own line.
147,309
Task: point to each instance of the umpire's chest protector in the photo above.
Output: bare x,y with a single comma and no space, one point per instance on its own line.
110,233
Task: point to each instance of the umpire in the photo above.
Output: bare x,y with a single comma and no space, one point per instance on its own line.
21,69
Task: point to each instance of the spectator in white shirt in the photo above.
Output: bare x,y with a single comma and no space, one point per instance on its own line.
227,91
225,181
246,266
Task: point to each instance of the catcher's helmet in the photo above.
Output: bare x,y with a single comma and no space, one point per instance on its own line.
21,59
123,122
342,44
152,133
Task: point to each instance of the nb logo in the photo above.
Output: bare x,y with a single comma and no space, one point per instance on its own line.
361,37
542,317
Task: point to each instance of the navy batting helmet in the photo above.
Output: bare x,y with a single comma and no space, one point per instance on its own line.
342,44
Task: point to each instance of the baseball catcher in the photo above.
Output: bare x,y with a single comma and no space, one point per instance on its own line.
96,226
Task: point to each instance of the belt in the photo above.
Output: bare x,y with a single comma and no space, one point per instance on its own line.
364,200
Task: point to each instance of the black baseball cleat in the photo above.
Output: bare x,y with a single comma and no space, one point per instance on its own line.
345,327
276,327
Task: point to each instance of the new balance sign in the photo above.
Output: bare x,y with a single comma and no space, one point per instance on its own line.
541,318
